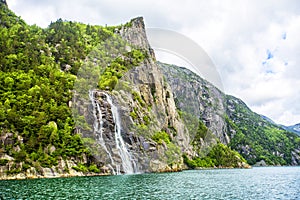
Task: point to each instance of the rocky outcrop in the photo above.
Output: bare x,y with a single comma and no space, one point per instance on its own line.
135,34
261,163
154,113
150,98
295,157
65,168
18,168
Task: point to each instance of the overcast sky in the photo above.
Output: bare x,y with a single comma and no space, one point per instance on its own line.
255,45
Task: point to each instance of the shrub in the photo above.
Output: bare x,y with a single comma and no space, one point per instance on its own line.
93,168
80,168
3,162
146,119
161,136
133,115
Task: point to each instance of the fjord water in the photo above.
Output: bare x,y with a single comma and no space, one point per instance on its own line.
256,183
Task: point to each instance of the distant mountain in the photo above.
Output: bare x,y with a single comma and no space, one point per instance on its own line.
294,128
268,119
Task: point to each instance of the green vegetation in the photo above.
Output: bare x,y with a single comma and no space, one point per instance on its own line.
136,96
80,168
219,156
161,136
133,115
190,121
195,126
93,168
3,162
257,139
140,114
146,119
201,132
115,70
197,130
172,151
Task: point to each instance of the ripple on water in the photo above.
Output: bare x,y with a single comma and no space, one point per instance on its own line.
256,183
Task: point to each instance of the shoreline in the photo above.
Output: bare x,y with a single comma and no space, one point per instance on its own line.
80,174
19,177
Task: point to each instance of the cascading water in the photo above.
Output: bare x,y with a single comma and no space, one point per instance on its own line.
128,164
127,161
98,127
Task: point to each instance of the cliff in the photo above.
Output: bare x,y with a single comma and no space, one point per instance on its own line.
92,100
147,110
198,97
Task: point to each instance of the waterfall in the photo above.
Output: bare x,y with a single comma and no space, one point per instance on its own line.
128,165
127,162
98,127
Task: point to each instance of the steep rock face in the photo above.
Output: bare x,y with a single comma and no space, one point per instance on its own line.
150,98
196,96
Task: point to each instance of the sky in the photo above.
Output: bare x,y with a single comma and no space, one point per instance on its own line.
254,44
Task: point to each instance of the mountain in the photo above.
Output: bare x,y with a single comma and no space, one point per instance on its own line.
255,137
268,119
294,128
82,100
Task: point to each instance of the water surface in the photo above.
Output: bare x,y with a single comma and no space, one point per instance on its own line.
256,183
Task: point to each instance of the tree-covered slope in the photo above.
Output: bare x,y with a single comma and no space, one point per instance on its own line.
258,139
36,126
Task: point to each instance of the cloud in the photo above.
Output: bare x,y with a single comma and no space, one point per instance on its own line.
102,12
255,45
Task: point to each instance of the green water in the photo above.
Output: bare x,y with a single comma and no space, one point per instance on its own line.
256,183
